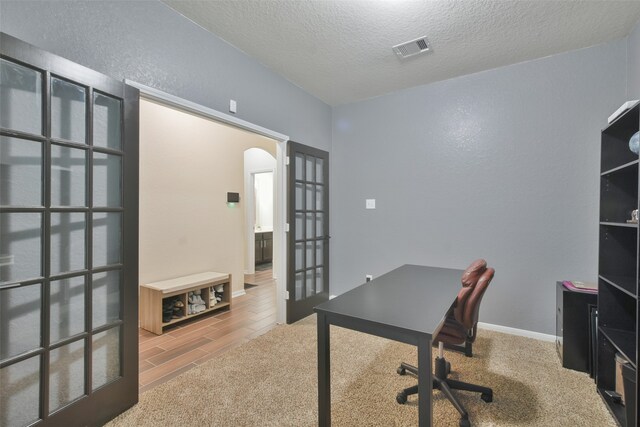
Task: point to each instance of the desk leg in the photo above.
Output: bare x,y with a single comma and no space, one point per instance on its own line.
425,387
324,372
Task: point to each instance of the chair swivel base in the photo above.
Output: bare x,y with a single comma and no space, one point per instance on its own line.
445,385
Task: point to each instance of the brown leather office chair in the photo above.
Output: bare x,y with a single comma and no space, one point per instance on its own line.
459,327
469,279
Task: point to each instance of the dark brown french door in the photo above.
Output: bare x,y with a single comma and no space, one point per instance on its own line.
308,236
68,242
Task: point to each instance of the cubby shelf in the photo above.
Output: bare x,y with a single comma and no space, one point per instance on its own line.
216,307
623,341
618,258
152,296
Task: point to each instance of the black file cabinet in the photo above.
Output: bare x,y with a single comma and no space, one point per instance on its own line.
573,313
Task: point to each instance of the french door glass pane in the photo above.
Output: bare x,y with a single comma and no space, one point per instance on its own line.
66,374
319,280
20,98
106,357
67,241
68,176
299,166
299,254
107,228
310,282
106,297
309,226
299,286
20,392
106,180
310,194
299,226
309,261
106,121
319,225
319,251
68,111
319,197
309,174
21,177
19,320
20,246
67,307
319,174
299,205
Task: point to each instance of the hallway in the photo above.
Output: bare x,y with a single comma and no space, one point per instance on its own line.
183,347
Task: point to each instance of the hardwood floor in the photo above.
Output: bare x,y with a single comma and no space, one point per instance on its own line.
190,344
262,275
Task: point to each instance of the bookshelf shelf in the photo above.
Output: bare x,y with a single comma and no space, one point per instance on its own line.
620,224
623,283
623,341
620,168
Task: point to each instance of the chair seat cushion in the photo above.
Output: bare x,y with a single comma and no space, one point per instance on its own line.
452,332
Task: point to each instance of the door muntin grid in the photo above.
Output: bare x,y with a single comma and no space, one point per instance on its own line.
76,206
309,215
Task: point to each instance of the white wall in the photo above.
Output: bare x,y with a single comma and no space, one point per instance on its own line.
187,166
263,200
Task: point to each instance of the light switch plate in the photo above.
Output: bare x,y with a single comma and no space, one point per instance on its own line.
233,106
370,203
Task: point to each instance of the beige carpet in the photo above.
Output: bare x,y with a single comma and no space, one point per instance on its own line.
271,381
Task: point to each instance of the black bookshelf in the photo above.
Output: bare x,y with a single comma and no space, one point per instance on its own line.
618,303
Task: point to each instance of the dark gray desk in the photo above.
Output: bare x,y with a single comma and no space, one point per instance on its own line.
408,305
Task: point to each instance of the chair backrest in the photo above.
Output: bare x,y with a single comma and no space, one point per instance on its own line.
473,272
472,306
469,279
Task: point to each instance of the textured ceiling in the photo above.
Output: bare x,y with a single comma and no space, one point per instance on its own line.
340,51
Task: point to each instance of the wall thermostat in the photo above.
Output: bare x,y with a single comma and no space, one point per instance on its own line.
233,197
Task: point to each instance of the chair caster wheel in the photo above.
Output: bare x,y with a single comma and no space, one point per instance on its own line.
464,422
487,397
401,371
401,398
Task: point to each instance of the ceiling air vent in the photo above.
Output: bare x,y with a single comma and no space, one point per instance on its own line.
411,48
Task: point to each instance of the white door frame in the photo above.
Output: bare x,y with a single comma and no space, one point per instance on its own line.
280,218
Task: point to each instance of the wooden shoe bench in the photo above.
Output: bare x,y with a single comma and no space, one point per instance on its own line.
152,294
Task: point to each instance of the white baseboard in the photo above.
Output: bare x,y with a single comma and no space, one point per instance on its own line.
238,293
519,332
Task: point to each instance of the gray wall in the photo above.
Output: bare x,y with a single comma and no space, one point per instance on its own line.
633,58
152,44
501,164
